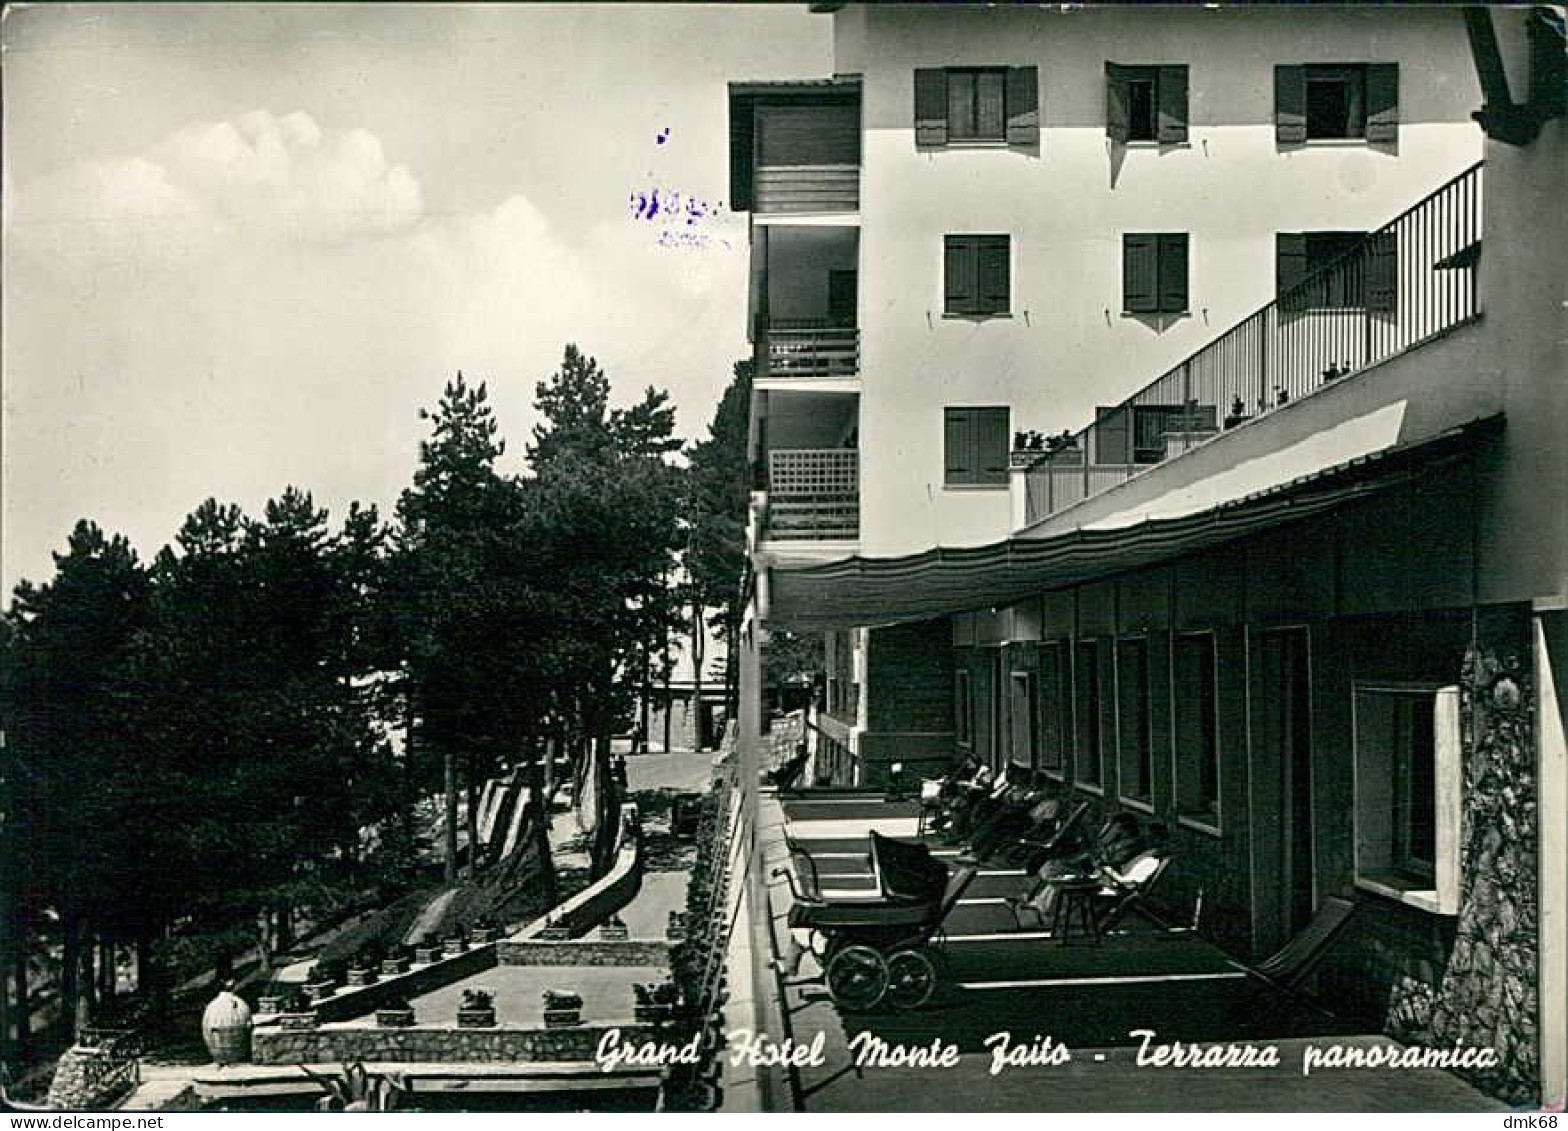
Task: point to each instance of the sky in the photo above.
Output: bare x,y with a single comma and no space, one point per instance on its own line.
244,244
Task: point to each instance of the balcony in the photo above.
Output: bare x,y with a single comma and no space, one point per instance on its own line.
813,495
1411,281
798,349
795,147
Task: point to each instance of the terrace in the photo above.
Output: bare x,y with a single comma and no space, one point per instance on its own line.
1376,297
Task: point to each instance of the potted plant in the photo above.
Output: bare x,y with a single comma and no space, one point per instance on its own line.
555,932
364,969
654,1001
427,949
562,1007
614,929
486,930
297,1012
395,961
321,981
274,998
477,1010
676,925
455,942
395,1014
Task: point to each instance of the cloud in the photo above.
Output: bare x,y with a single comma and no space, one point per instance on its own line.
254,176
260,301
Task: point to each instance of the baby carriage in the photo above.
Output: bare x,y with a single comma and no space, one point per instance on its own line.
879,949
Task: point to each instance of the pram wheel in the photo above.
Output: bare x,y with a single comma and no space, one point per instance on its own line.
857,977
911,979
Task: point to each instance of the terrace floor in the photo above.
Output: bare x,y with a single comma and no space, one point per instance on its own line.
1090,999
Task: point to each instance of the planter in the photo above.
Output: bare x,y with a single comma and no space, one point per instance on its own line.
653,1014
555,933
427,954
320,991
486,934
296,1020
391,967
453,947
476,1018
272,1003
359,976
395,1018
225,1029
614,931
561,1018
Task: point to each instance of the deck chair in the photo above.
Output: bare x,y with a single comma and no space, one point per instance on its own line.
1128,897
1287,968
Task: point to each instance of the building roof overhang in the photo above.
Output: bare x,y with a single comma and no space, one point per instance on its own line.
861,591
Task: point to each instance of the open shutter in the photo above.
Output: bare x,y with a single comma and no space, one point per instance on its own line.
1140,273
1173,272
960,285
1290,268
1383,272
958,450
1112,435
1383,102
1171,97
991,444
993,267
930,107
1116,115
1290,105
1023,106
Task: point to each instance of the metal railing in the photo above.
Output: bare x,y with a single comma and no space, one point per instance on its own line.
802,348
1397,287
813,494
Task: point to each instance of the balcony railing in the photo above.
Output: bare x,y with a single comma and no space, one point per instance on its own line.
1410,280
801,348
813,494
807,188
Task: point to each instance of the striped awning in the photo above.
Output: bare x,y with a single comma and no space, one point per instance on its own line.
871,591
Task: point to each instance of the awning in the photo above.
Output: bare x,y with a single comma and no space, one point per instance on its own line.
872,591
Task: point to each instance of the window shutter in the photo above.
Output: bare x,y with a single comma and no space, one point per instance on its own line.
1172,100
1383,272
1173,273
994,293
960,284
958,457
1023,106
930,107
991,445
1116,116
1112,436
1140,273
1290,268
1383,102
1290,105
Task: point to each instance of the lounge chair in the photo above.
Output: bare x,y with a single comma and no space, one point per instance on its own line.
1287,968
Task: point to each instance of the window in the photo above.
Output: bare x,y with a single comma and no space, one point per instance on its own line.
975,442
1337,271
1087,683
977,105
1146,103
1197,731
1056,708
1023,710
1408,785
1134,746
1322,102
963,709
1154,272
976,274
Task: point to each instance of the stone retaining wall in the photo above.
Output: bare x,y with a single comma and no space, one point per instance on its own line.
436,1045
583,952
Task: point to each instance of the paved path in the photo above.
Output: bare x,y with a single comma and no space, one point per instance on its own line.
1000,984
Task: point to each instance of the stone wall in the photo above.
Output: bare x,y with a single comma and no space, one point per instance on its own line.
356,1001
436,1045
583,952
1487,995
90,1079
